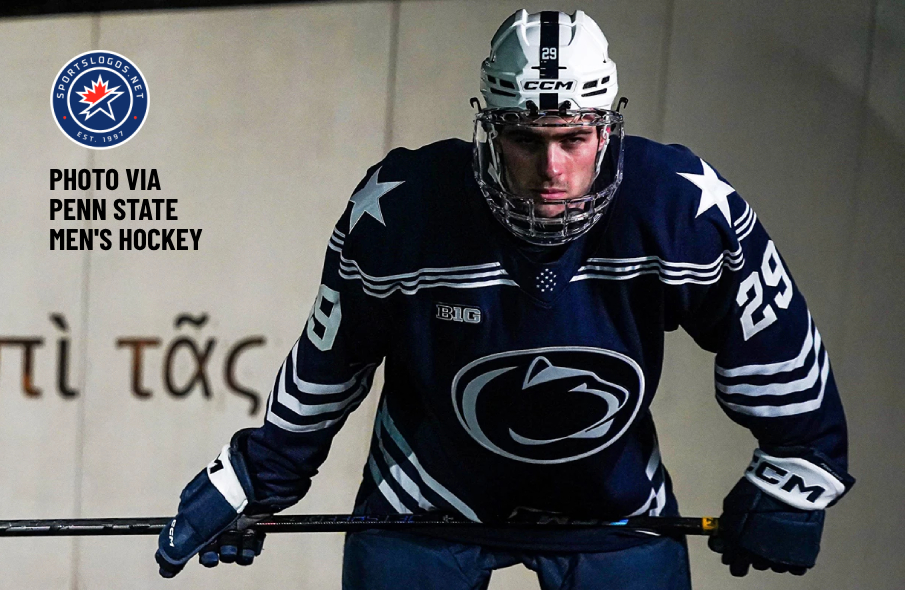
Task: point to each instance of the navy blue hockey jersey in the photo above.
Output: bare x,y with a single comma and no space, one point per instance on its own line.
520,381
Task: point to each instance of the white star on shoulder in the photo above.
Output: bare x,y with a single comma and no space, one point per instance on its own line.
713,191
367,200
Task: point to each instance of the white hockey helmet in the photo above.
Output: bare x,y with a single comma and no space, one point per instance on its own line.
548,69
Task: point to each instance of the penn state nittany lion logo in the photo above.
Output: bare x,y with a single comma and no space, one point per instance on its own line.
99,99
548,405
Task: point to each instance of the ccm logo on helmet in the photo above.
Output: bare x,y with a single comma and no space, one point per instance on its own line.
548,84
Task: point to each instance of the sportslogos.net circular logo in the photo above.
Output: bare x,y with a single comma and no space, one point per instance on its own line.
99,99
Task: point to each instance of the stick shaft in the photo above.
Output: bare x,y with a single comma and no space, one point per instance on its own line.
317,523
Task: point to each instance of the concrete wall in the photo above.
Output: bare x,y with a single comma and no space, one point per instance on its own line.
262,121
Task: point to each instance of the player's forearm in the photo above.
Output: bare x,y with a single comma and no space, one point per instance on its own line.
282,464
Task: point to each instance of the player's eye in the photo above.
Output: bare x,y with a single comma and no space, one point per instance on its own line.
525,141
575,140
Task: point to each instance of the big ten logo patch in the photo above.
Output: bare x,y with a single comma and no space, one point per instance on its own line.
458,313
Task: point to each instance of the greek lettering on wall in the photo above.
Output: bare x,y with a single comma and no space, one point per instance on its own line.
178,365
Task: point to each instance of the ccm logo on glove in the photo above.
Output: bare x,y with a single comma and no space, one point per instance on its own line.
795,481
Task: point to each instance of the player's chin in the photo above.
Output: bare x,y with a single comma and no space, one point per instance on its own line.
549,210
554,210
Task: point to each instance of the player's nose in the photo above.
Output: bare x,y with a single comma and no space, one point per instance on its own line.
551,161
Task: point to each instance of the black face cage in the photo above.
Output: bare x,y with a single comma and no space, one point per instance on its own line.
518,213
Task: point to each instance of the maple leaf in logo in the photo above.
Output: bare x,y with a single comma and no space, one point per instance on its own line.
98,98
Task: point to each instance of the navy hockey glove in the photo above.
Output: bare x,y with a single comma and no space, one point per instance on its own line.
211,504
756,529
773,517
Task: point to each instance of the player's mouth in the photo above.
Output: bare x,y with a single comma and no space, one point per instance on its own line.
551,193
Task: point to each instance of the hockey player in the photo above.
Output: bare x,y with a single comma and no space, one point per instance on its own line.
518,291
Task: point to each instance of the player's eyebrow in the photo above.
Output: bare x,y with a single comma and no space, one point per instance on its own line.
530,133
577,132
519,132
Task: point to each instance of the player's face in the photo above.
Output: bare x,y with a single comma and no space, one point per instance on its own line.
549,164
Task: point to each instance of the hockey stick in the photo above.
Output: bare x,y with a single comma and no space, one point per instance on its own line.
319,523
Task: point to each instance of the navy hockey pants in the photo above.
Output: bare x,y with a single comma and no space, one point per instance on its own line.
381,560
